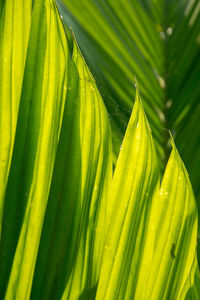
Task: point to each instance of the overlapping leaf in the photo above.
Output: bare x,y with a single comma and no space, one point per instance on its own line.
72,241
193,282
71,229
15,20
38,126
158,41
115,57
151,240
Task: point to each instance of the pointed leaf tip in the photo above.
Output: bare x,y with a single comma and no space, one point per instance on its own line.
172,140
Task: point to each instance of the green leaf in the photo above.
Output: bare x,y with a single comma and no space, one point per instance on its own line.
15,21
40,115
151,240
158,41
193,283
71,246
170,245
115,58
70,228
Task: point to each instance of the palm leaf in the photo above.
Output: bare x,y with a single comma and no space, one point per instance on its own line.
152,228
70,228
14,34
158,41
73,231
193,281
38,126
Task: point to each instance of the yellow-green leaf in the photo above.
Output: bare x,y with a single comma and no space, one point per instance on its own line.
71,246
191,289
40,115
151,240
70,228
15,21
170,244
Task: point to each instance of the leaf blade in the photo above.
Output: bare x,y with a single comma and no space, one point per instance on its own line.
33,158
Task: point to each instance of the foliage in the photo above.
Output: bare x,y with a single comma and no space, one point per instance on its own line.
159,42
71,227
